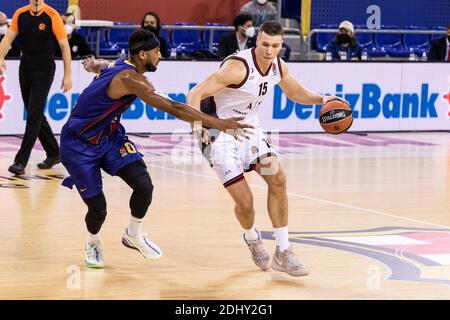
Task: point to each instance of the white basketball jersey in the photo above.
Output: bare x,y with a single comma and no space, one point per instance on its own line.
244,99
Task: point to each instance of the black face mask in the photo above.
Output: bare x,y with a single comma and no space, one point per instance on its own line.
153,29
343,38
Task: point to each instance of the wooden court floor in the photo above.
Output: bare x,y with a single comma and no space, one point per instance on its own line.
369,216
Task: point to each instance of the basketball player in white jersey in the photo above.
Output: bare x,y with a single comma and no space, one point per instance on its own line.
237,89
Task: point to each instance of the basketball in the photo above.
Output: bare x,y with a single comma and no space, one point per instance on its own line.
335,116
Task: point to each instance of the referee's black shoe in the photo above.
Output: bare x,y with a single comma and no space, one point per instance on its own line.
49,162
17,168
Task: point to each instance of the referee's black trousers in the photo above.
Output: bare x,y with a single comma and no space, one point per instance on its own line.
36,77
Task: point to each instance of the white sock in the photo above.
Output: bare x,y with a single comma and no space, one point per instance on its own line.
93,237
251,234
134,227
282,237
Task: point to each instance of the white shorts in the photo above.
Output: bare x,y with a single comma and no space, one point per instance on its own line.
230,158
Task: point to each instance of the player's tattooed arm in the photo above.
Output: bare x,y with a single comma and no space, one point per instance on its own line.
93,65
139,85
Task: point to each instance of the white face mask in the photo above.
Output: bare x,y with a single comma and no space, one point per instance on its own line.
261,2
250,32
3,30
68,28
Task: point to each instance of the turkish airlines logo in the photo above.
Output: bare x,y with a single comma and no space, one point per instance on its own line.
3,96
446,97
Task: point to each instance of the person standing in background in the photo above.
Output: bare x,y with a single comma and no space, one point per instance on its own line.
38,25
440,48
345,46
242,38
152,23
78,46
260,11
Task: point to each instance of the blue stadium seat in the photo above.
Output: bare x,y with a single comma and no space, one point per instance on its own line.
216,35
107,48
438,28
323,39
82,32
391,43
187,41
320,40
418,43
366,40
120,36
165,34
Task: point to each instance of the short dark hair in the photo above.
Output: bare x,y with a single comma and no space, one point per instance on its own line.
138,38
272,28
151,13
240,20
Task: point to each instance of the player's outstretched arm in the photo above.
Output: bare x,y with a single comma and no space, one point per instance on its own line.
93,65
298,93
139,85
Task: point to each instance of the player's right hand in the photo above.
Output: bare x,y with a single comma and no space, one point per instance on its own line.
2,67
232,127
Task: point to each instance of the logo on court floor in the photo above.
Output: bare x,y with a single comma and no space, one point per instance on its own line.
3,96
410,254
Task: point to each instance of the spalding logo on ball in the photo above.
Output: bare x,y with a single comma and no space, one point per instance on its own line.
335,116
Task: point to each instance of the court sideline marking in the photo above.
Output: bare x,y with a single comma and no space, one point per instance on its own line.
339,204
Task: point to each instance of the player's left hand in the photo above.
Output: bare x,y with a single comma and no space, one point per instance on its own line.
66,84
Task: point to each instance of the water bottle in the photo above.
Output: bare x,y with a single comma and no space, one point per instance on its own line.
173,53
344,55
424,56
328,56
412,56
364,55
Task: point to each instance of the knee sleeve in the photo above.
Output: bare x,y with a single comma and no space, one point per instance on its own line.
96,213
142,195
137,177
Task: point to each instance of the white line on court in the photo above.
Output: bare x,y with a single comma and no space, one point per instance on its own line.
313,199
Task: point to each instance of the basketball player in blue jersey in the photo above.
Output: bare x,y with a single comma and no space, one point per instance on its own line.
239,88
93,139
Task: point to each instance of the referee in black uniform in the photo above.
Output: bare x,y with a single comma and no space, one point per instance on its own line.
38,26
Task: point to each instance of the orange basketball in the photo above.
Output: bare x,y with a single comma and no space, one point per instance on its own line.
335,116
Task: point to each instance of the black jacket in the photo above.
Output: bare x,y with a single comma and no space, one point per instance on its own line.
14,52
438,49
228,44
78,47
163,46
